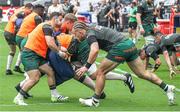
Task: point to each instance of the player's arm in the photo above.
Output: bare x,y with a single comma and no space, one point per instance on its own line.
38,20
48,31
94,49
109,14
138,17
167,58
18,15
155,56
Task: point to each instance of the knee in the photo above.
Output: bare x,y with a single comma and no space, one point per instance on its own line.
100,72
50,72
142,75
35,79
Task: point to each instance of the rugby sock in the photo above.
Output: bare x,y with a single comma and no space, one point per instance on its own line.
19,95
89,83
18,61
9,61
164,86
115,76
54,92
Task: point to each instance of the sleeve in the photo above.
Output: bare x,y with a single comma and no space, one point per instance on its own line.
38,20
20,14
48,30
91,39
72,49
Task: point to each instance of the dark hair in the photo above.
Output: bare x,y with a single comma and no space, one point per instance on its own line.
38,6
29,5
54,14
80,25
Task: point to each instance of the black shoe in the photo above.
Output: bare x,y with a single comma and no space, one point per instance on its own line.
129,82
9,72
18,69
103,96
18,88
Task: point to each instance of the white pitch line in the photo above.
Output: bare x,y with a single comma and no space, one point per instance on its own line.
11,105
121,71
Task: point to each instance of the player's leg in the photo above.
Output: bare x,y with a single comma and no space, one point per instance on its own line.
34,76
10,59
138,68
10,39
18,62
55,96
105,66
85,79
32,69
126,77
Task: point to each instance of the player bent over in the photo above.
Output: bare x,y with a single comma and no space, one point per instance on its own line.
119,49
169,44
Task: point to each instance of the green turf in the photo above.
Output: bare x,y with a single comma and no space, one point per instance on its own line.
146,97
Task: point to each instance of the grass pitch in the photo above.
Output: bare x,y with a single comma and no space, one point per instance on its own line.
147,97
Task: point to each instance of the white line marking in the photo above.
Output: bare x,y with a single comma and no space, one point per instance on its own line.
11,105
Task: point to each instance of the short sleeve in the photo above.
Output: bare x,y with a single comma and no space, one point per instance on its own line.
48,30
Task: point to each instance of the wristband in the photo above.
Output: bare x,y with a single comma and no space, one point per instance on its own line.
88,65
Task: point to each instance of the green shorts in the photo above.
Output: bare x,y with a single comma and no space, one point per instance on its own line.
123,51
19,40
149,29
10,38
31,60
23,43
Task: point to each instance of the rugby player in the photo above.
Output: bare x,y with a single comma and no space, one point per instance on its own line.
153,51
120,49
169,44
10,34
34,59
145,19
29,23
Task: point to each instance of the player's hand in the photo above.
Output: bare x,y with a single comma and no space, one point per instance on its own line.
63,49
172,73
81,71
63,55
